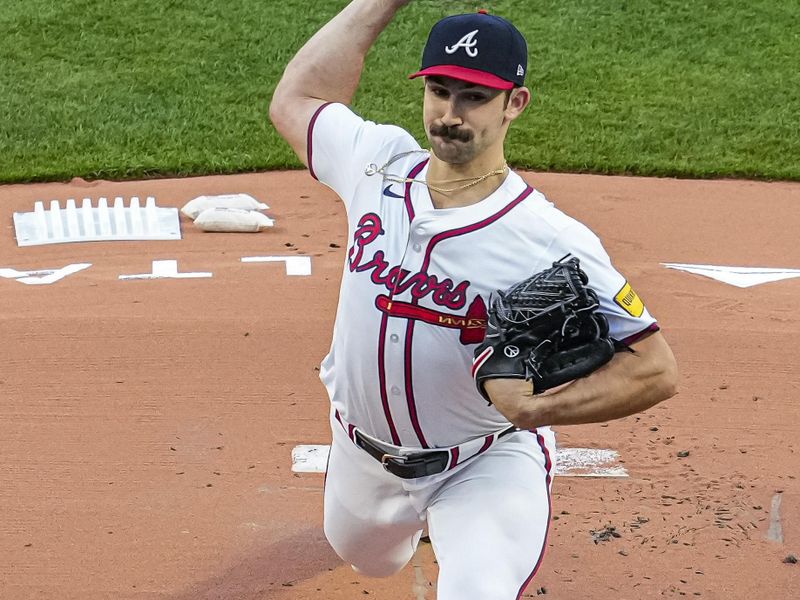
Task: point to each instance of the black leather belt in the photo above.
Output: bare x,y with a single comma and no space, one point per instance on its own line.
409,466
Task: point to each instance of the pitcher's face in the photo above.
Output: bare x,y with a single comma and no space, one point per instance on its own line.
462,119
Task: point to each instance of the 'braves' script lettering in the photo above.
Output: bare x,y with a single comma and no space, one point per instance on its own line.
396,279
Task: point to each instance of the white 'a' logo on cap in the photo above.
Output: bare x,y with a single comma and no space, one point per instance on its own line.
468,43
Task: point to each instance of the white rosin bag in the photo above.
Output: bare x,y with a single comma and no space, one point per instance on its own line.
232,220
243,201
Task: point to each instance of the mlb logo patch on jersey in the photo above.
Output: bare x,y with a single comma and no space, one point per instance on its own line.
629,301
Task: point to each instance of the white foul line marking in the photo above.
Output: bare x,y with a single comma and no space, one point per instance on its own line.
295,265
570,462
775,532
166,269
42,276
742,277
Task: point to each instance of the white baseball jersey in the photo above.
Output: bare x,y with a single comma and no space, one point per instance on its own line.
417,281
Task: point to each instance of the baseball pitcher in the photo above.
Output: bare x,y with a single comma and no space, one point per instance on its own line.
473,314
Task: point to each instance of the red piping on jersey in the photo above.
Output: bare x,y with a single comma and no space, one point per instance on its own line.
382,379
309,141
412,405
632,339
425,263
548,464
411,174
453,458
487,442
470,228
349,428
382,342
410,402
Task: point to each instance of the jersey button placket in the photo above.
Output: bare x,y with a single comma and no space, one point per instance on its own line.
416,238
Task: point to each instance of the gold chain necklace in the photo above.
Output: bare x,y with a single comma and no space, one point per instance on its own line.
373,169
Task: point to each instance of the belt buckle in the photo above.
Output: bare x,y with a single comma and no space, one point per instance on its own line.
387,457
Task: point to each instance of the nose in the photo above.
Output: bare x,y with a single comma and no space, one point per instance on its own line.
451,116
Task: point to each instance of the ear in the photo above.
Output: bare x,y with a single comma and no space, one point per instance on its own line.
517,103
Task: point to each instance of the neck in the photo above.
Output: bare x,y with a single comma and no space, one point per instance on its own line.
477,180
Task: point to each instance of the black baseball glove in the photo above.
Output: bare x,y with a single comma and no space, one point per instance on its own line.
546,330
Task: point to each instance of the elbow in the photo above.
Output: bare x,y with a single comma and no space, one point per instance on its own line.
659,371
284,97
673,383
276,108
666,384
280,114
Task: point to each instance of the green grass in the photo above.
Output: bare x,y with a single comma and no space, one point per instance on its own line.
128,89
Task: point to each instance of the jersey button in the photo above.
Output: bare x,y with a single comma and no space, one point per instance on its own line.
395,390
417,247
394,337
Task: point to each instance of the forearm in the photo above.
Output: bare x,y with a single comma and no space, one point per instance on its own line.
619,389
630,383
328,67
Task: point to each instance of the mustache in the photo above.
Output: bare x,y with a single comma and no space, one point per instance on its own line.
452,133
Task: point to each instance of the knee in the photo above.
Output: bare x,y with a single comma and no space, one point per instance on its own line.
367,558
479,584
377,568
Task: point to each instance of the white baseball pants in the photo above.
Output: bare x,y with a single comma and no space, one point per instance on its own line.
487,519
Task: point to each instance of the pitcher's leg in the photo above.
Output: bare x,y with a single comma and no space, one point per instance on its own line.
368,518
489,523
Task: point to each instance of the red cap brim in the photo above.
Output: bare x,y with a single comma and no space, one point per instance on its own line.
464,74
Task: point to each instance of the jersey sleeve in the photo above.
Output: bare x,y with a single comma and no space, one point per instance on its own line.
341,144
628,317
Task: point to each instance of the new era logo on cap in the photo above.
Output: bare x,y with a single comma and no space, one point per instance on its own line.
479,48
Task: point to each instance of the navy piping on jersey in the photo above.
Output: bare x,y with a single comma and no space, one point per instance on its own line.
412,409
548,465
309,140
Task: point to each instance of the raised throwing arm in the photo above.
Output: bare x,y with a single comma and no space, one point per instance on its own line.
328,68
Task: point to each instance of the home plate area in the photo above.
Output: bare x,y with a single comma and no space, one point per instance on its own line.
570,462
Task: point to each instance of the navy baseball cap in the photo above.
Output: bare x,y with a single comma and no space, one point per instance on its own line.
477,47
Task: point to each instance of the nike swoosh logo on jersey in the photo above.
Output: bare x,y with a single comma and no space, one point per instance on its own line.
388,192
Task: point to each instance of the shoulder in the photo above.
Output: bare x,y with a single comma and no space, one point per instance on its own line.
339,136
337,121
536,208
556,231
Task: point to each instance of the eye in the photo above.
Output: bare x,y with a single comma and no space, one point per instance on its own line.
439,92
476,98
